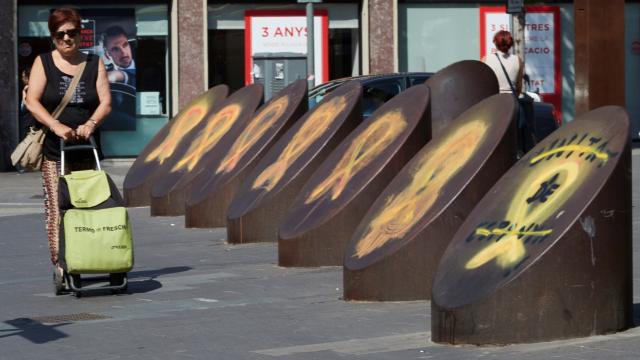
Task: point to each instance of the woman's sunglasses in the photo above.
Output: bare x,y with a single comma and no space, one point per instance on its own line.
71,32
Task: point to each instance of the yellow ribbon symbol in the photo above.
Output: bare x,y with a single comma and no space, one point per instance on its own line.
209,137
314,127
434,170
185,123
254,131
509,250
364,149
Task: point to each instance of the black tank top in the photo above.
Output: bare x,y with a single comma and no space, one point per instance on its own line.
82,105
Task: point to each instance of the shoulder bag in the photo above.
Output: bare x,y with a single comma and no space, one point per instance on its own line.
526,116
28,154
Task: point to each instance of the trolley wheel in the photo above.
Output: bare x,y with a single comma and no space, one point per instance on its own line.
117,279
77,294
58,283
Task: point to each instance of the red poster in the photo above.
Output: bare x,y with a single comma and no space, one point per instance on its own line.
542,46
285,31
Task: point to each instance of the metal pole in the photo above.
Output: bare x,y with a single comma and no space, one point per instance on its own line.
518,36
310,43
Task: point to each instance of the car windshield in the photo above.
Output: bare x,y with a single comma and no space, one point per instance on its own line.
377,93
319,92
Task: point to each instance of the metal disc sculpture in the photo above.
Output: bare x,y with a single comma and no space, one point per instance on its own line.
211,192
456,88
546,254
164,145
395,251
325,214
264,197
221,128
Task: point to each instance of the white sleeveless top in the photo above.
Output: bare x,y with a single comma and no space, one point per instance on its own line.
511,64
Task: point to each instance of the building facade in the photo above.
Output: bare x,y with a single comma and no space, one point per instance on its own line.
181,48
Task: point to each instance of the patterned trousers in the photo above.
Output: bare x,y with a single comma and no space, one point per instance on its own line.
50,176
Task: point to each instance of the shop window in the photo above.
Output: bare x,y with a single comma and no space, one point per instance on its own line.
226,58
151,57
341,52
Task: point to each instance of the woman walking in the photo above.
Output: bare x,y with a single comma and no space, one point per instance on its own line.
51,75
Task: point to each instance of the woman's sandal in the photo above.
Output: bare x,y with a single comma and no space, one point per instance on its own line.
58,280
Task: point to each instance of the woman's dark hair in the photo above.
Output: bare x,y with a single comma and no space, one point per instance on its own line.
503,40
61,16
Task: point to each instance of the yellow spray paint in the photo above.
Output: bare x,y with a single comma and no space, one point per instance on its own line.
254,131
314,127
364,149
510,249
182,125
209,137
602,155
434,169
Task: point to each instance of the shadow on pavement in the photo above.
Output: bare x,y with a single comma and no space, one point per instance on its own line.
159,272
141,286
33,330
636,315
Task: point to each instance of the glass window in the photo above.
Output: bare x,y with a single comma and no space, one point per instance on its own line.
415,80
140,105
376,93
226,24
632,65
226,58
342,52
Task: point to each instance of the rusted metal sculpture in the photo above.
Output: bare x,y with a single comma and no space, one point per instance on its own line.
264,197
220,130
325,214
546,254
176,133
211,192
456,88
395,250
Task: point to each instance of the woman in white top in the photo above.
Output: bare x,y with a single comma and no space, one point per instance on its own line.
512,63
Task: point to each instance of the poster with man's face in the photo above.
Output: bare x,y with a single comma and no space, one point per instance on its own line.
111,35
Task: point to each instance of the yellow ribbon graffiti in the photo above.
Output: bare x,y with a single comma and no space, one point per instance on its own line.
510,250
254,131
434,169
182,125
573,148
314,127
364,149
209,137
500,232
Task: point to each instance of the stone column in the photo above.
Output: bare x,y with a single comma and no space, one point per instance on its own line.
192,49
599,54
9,88
382,52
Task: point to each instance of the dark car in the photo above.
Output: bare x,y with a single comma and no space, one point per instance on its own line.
376,89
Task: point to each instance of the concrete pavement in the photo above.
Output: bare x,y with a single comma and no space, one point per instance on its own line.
192,296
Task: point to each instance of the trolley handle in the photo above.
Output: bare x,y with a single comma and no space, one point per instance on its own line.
91,146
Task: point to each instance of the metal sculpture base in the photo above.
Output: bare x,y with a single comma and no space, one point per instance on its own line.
331,205
261,223
581,287
168,193
168,142
324,245
263,200
138,196
547,254
211,212
211,192
408,273
170,204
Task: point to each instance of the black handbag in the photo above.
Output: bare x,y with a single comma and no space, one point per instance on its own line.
526,127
